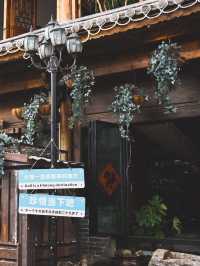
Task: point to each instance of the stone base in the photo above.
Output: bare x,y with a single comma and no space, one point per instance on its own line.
162,257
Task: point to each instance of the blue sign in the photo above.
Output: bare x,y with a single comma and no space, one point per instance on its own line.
30,179
52,205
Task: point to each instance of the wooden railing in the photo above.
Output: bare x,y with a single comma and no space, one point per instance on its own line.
89,7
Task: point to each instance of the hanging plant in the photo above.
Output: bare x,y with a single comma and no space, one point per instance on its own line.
82,83
30,115
5,141
124,108
164,65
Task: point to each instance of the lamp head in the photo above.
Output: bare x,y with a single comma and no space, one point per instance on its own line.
31,42
74,44
58,36
45,50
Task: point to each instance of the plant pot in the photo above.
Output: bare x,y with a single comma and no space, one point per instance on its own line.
69,83
45,109
138,99
17,112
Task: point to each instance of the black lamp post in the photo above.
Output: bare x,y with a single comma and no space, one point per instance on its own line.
46,53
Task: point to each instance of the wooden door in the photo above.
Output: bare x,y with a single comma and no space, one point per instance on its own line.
105,154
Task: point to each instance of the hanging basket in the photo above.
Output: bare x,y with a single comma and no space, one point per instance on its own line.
44,109
17,112
138,99
69,83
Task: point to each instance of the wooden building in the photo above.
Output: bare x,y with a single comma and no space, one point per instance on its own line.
117,45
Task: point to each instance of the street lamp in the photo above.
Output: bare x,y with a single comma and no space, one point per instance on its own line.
48,49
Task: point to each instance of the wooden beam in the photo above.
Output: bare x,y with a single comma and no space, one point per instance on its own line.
16,157
11,57
154,113
20,83
128,62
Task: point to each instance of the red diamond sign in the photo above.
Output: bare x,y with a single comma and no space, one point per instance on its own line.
109,179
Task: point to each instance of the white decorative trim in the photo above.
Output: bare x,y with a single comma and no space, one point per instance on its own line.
94,24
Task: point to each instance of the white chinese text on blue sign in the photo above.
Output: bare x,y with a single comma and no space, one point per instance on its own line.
34,179
51,205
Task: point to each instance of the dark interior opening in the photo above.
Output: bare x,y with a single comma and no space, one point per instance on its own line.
167,163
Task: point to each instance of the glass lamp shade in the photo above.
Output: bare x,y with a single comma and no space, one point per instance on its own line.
57,36
51,24
31,43
74,45
45,50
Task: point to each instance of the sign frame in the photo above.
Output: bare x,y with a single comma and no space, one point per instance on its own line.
51,205
53,178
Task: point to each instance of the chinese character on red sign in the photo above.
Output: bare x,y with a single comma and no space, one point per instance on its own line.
109,179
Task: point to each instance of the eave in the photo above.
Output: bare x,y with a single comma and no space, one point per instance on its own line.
136,16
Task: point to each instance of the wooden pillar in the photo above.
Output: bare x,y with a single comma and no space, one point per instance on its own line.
24,241
76,9
68,9
64,10
13,207
5,208
65,131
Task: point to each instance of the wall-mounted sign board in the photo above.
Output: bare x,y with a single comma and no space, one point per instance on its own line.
51,205
32,179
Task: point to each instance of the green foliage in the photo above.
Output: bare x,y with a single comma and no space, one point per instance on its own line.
83,81
5,141
164,65
124,108
151,217
1,158
30,115
177,225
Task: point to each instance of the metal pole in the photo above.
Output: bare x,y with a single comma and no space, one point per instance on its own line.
53,119
53,220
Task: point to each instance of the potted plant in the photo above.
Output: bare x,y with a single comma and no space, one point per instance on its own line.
151,219
164,65
81,83
30,116
5,141
124,108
